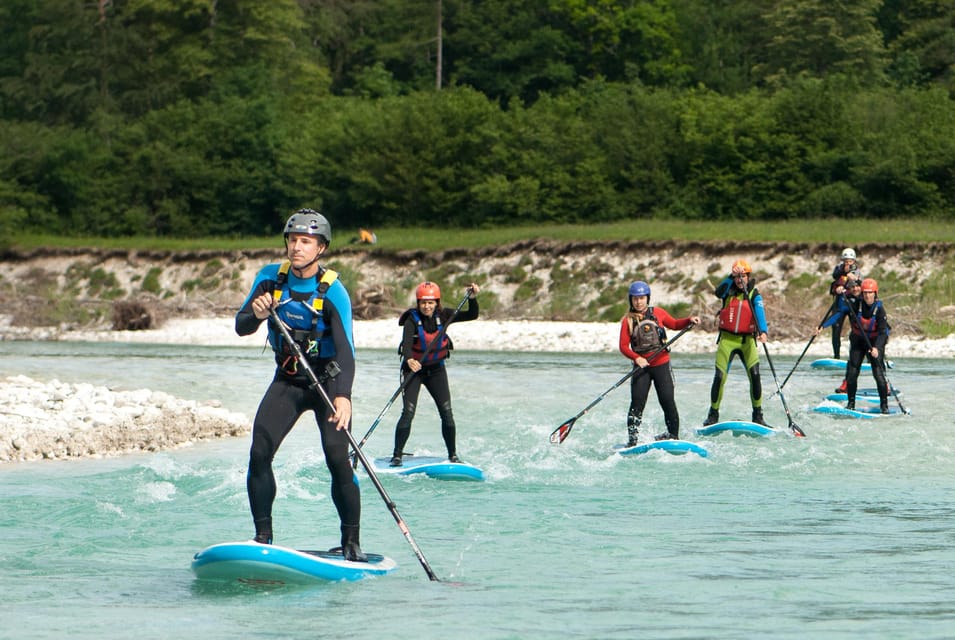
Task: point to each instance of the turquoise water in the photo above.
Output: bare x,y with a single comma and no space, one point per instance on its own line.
848,533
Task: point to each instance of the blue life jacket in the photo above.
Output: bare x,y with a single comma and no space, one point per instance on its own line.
303,314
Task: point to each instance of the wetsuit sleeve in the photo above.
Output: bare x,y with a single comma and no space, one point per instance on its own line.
625,339
842,309
339,325
468,313
245,321
723,288
838,279
760,311
407,338
882,326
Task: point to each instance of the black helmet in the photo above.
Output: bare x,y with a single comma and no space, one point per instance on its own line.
310,222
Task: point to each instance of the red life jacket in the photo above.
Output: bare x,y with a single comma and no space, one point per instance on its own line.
737,316
869,325
438,352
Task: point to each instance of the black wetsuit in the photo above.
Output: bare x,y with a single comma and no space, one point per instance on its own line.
289,396
859,349
839,274
434,376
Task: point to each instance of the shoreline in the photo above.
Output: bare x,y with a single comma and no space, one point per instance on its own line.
489,335
52,420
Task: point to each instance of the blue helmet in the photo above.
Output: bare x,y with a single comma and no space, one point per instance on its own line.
640,288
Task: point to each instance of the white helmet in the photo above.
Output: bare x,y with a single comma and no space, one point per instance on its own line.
848,254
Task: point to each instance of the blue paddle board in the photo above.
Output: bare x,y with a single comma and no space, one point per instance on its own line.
675,447
737,428
865,412
431,466
268,564
841,397
832,363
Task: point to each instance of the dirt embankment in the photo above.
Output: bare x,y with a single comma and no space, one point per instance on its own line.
57,290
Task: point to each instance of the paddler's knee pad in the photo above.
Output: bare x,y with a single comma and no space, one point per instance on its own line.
444,411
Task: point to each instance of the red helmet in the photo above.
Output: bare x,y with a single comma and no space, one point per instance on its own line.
427,291
870,284
741,266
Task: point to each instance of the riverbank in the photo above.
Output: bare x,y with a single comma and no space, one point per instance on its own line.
53,420
496,335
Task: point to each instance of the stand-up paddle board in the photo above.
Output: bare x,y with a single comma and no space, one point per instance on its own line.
675,447
432,466
842,397
868,392
832,363
865,412
268,564
737,428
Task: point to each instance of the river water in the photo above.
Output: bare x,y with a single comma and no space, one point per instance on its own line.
847,533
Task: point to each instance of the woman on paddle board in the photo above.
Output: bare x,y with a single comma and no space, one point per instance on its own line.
844,273
742,322
867,338
424,348
315,306
643,333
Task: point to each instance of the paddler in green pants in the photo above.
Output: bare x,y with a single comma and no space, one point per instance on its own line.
742,323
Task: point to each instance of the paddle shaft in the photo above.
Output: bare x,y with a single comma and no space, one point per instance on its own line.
560,433
351,439
879,362
792,425
404,383
808,344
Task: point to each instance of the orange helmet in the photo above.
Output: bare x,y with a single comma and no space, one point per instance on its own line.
870,284
427,291
741,266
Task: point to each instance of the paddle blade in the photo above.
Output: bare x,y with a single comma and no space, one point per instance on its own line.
799,433
560,433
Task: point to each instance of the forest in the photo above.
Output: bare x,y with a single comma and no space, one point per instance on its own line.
198,118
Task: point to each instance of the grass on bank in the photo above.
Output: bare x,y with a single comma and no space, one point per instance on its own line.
847,232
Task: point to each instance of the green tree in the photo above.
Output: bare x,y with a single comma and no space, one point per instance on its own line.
824,37
508,49
625,40
921,41
722,41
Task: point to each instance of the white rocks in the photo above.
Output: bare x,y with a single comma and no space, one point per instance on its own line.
59,420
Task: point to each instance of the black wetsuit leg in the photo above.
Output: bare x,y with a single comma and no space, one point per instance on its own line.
280,408
639,390
857,350
837,336
663,383
409,401
436,382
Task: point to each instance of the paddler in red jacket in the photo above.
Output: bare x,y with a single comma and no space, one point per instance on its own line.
642,333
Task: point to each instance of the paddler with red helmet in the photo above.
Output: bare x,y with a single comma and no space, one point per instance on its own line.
424,323
867,339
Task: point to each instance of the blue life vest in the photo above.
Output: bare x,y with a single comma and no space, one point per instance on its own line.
303,314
